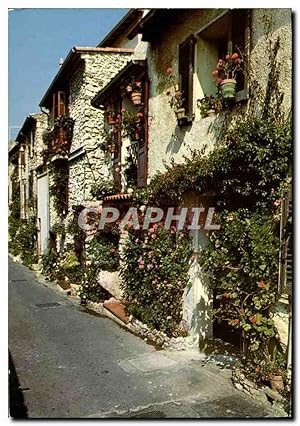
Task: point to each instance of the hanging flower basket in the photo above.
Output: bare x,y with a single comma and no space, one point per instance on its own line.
136,98
228,88
111,148
180,113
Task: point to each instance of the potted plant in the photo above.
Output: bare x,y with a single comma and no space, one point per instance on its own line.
110,116
176,99
225,74
132,124
209,106
136,93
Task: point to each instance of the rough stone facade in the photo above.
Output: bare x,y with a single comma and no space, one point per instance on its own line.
95,72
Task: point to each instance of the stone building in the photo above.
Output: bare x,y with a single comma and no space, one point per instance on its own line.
26,172
75,127
190,43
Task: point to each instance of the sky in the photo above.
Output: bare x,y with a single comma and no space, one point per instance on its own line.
37,39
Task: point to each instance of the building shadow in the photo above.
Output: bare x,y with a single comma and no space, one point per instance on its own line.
17,406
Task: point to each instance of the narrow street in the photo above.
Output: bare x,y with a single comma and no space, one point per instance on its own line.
66,362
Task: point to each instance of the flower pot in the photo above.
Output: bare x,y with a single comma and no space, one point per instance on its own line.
180,113
211,113
136,98
111,148
110,119
228,88
277,383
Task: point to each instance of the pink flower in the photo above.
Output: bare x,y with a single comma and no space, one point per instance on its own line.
169,71
139,114
227,57
151,230
219,80
138,83
215,73
150,266
123,110
277,203
235,56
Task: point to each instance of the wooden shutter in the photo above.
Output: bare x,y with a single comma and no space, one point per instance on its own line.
186,72
117,159
62,104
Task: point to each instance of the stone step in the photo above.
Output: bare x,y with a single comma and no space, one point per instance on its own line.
118,309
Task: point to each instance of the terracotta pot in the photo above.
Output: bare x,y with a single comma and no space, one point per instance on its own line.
136,98
111,148
111,119
277,383
228,88
180,113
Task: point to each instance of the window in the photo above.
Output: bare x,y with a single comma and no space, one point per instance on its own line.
229,33
60,104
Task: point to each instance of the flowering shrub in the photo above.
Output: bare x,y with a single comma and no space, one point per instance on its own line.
155,272
103,249
228,68
176,99
242,263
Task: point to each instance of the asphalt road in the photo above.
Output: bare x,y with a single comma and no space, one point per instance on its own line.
68,363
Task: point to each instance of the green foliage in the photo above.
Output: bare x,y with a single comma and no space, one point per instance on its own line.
209,103
59,189
90,289
22,232
247,168
103,249
155,272
50,262
103,188
242,265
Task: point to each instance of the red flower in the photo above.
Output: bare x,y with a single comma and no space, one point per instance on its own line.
261,284
138,83
253,319
215,73
235,56
226,295
235,321
169,71
219,80
139,114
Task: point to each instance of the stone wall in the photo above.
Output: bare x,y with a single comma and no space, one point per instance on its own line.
95,72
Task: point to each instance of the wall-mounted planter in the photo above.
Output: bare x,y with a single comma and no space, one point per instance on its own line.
136,98
228,88
211,113
180,113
